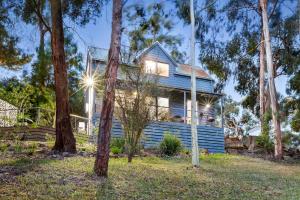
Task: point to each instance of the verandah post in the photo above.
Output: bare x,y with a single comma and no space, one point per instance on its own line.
184,107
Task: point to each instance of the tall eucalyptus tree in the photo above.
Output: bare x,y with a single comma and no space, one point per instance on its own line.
79,12
271,81
104,135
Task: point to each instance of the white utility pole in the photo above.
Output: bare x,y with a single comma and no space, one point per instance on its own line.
90,114
89,82
195,150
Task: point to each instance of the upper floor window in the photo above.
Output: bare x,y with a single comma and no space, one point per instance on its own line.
152,67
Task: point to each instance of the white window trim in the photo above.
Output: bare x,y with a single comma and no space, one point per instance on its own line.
156,68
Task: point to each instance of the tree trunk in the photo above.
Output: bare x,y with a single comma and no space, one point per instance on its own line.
41,58
65,140
262,79
102,157
130,156
272,88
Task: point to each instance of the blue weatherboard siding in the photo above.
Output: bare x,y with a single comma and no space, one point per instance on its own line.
174,80
210,138
156,53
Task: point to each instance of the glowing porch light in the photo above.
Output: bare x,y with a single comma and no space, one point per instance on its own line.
89,81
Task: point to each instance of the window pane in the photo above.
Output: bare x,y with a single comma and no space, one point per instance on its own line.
162,102
163,69
162,108
150,67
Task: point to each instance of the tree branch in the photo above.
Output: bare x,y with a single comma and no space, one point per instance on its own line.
39,15
205,7
273,10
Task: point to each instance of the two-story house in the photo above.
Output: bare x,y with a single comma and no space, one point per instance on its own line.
176,79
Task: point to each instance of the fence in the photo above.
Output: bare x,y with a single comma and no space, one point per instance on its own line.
38,117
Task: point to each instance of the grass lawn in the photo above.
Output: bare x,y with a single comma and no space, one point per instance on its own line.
220,177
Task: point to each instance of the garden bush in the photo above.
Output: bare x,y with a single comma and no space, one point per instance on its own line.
31,149
3,147
116,150
290,140
117,145
170,145
264,141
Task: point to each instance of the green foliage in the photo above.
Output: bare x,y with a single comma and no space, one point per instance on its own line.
170,145
81,139
3,147
117,144
134,107
291,107
295,123
146,25
291,140
116,150
24,95
11,56
186,151
18,147
31,148
34,103
264,141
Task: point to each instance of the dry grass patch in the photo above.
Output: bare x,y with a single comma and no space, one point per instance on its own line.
220,177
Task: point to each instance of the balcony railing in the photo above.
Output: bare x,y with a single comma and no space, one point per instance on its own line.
173,114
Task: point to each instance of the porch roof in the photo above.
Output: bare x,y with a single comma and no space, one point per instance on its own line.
198,92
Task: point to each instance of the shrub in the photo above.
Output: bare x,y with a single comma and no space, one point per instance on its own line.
264,141
81,139
116,150
3,147
30,150
117,143
18,148
170,145
186,151
290,141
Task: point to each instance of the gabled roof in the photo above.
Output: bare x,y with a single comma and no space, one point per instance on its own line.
156,44
101,54
96,53
182,69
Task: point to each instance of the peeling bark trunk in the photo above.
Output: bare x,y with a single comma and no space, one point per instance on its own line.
273,96
102,156
65,140
262,79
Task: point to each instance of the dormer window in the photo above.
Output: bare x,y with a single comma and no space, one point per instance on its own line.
158,68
